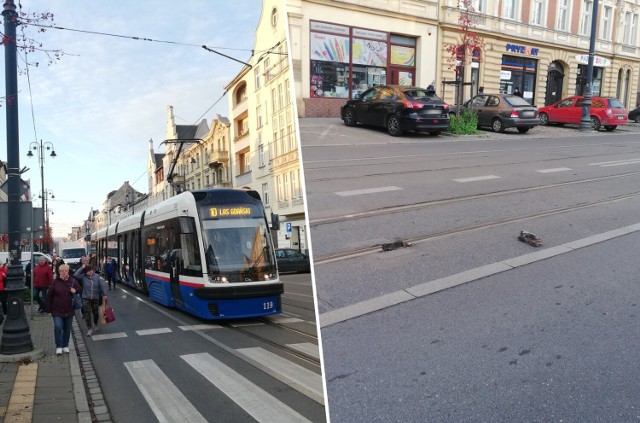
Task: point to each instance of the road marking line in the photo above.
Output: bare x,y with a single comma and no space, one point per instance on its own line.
477,178
427,288
241,325
286,320
620,164
367,191
253,400
165,399
200,327
109,336
145,332
615,162
299,378
312,350
557,169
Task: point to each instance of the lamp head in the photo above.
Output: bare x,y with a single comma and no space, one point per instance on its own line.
29,154
53,153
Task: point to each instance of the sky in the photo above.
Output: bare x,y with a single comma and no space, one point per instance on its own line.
108,95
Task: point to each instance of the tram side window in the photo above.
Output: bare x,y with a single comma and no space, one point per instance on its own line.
192,266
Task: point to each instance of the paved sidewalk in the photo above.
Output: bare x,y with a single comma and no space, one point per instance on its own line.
41,387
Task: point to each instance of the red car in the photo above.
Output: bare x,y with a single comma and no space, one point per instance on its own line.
607,112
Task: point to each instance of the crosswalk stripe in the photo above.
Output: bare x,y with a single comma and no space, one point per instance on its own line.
153,331
312,350
299,378
555,169
165,399
256,402
200,327
109,336
367,191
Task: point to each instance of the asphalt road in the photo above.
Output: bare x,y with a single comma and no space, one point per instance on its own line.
159,364
468,323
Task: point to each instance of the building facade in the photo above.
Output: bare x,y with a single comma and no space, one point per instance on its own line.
539,46
264,147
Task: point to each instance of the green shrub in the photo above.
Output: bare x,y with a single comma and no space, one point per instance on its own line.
465,124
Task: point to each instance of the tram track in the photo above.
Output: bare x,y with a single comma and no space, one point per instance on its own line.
344,255
448,201
280,347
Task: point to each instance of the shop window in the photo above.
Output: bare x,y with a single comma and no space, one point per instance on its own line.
518,72
329,65
596,80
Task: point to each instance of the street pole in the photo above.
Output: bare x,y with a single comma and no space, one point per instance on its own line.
585,121
16,338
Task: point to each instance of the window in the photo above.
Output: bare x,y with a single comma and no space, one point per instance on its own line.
275,144
585,18
261,155
265,194
287,187
563,15
274,17
280,97
479,6
292,139
295,186
274,99
259,116
510,9
267,71
280,188
537,12
256,73
287,92
607,19
630,28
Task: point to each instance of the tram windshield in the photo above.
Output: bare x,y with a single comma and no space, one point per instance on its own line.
238,250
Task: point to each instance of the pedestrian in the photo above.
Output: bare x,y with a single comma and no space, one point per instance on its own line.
109,270
93,260
3,283
42,280
60,305
481,90
517,92
92,289
56,261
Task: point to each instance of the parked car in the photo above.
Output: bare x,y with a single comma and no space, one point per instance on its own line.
290,260
501,111
634,115
607,112
399,109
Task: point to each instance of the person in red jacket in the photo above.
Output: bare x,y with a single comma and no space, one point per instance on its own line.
3,283
60,305
42,280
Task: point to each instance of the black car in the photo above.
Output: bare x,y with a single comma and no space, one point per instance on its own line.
634,115
290,260
398,108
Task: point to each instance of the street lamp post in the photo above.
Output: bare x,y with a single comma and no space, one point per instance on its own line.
40,150
16,338
585,121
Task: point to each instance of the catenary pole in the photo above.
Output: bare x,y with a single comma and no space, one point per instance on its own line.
585,121
16,338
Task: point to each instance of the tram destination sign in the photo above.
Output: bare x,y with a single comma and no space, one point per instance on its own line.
221,212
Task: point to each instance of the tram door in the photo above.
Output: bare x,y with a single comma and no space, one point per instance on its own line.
174,277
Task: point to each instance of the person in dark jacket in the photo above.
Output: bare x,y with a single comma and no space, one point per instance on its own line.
42,280
60,305
109,270
92,288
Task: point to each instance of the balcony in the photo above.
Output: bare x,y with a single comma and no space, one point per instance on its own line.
244,179
241,107
218,158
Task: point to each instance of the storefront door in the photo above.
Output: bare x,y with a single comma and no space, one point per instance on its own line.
401,76
554,86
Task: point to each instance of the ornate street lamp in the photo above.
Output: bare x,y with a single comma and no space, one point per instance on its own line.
40,149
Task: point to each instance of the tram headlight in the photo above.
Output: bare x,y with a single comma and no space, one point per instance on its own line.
221,279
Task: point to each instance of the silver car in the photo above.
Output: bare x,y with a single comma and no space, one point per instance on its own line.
501,111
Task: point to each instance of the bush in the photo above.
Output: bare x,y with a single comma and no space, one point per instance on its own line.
465,124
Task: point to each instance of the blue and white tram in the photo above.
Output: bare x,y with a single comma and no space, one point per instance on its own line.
206,252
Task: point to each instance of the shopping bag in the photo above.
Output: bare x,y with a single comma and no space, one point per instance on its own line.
77,300
108,312
101,316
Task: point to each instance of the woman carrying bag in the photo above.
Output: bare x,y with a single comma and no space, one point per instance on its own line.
60,305
92,289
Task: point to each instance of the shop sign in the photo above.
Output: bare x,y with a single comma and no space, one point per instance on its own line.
367,33
327,27
515,48
505,75
597,60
